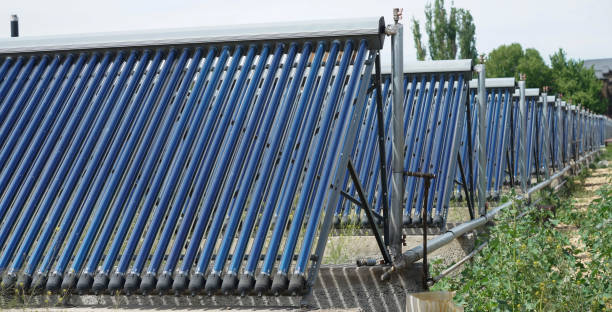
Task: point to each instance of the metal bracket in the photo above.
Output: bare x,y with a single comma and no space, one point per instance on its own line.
358,203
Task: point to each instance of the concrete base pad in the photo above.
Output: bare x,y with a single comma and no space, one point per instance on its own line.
337,287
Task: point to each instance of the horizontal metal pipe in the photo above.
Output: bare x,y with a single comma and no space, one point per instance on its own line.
460,262
416,253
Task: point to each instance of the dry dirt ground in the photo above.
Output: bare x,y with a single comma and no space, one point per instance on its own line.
596,180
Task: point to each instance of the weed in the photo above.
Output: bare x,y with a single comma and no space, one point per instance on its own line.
337,250
535,266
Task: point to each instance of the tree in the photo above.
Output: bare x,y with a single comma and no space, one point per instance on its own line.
503,61
565,76
418,43
467,36
447,34
532,65
511,60
576,83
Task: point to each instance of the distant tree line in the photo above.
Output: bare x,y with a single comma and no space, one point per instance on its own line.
451,34
566,77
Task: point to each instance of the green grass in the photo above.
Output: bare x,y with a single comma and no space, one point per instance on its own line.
607,154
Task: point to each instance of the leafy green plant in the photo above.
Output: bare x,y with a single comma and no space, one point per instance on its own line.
531,265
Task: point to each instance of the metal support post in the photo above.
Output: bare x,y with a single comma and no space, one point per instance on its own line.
397,163
470,154
481,139
425,265
522,117
381,151
510,167
511,149
546,131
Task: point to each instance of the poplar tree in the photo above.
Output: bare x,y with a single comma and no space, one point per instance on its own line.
450,33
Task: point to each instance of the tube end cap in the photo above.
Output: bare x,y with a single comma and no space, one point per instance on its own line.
196,283
39,281
54,282
24,281
164,282
84,283
297,284
180,282
262,284
245,284
148,283
279,284
117,281
100,282
69,282
213,283
132,282
230,281
8,281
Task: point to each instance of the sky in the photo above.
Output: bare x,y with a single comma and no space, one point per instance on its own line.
582,28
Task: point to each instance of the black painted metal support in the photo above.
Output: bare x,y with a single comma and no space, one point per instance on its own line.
366,207
510,167
428,177
511,148
470,154
538,147
350,198
468,200
425,265
381,150
358,203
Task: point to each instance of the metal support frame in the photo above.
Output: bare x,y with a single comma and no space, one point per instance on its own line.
464,186
481,140
536,147
522,117
545,138
368,212
470,156
381,150
397,135
509,163
428,177
511,152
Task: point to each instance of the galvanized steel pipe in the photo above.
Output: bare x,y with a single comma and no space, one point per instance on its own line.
416,253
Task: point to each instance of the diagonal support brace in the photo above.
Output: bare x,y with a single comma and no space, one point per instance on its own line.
368,212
